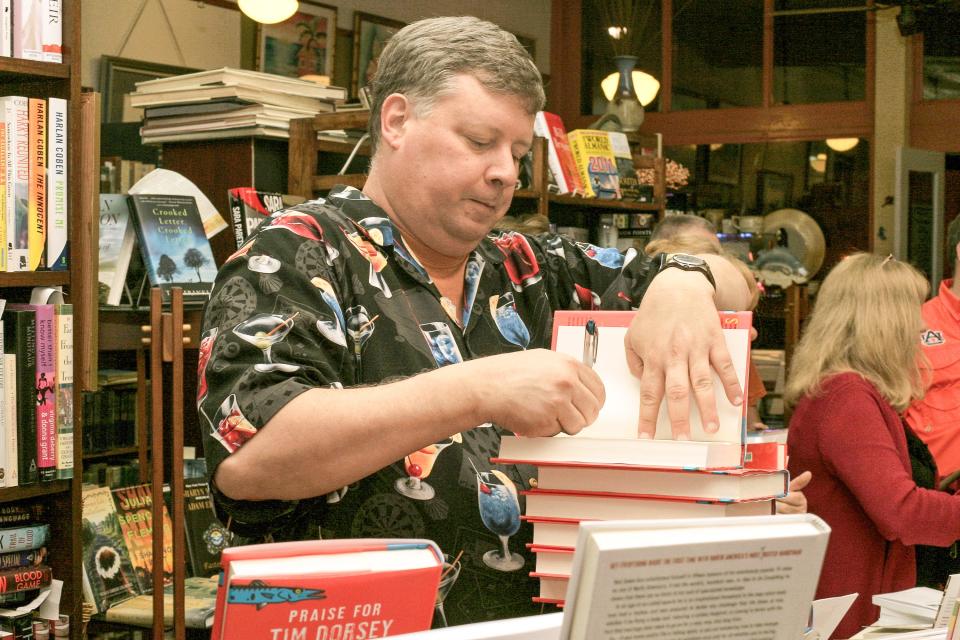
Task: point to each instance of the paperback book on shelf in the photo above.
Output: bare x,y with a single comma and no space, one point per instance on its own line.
117,241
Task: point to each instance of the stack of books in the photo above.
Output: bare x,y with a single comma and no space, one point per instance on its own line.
606,472
222,103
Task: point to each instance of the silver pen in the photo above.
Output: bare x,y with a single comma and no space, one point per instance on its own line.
591,341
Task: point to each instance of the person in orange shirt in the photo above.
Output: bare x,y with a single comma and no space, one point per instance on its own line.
936,418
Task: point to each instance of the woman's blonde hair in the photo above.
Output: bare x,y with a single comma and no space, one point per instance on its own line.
867,321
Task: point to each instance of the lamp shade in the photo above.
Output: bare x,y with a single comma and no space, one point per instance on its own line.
645,85
269,11
842,144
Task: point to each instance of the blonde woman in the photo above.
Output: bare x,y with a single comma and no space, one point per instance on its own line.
857,367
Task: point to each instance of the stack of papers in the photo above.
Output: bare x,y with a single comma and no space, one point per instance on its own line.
914,608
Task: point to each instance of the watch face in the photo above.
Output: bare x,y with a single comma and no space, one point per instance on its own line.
688,260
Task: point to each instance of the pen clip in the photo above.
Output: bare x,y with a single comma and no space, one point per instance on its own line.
591,342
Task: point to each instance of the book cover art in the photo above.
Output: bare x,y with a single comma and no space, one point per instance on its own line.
559,155
63,314
626,173
20,339
108,576
44,392
57,237
117,240
134,512
248,208
327,588
37,203
595,162
206,536
173,244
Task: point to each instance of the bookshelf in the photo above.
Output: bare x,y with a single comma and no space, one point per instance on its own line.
306,153
62,497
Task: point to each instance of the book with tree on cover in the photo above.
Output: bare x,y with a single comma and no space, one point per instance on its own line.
173,244
134,511
108,576
44,392
595,162
117,240
761,573
20,339
327,589
612,438
560,160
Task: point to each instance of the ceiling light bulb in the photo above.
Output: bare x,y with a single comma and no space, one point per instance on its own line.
644,84
269,11
842,144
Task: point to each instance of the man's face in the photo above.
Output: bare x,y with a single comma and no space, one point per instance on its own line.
450,175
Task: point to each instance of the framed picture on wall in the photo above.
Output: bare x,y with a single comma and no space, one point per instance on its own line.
301,45
774,191
119,77
370,35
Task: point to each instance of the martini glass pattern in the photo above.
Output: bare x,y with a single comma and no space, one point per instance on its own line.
263,331
419,464
448,576
500,512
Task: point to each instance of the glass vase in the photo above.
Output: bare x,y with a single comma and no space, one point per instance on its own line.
625,104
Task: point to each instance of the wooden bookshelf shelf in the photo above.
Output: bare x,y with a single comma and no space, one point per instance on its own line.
12,69
111,453
596,203
34,278
526,194
13,494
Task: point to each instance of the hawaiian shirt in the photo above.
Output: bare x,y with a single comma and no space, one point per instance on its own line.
327,294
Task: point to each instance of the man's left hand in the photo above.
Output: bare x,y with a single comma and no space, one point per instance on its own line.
672,344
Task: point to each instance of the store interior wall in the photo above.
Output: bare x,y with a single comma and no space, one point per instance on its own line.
207,37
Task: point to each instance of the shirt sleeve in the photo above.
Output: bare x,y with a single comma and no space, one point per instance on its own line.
272,329
584,276
857,445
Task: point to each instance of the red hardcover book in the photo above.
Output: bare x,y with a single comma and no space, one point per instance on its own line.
559,156
363,588
24,578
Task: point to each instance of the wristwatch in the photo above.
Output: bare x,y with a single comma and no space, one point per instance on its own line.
686,262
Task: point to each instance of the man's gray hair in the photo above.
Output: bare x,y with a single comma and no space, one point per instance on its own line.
677,226
421,60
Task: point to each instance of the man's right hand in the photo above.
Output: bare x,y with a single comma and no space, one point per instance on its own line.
536,392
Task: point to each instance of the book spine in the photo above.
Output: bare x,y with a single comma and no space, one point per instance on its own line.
6,28
21,339
541,127
64,391
3,193
44,389
24,578
18,181
236,218
37,212
580,159
24,538
10,441
28,558
3,414
57,184
561,144
52,31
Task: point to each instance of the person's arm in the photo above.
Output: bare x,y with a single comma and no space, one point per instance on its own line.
676,340
325,439
858,447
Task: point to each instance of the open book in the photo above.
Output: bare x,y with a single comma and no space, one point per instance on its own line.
677,579
612,438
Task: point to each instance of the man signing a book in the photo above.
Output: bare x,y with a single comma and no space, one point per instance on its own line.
363,354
